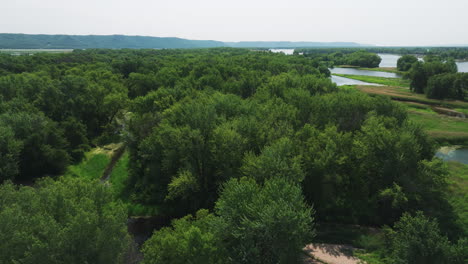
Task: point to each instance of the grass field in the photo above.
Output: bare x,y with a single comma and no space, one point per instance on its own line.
92,166
119,175
445,129
382,69
449,130
458,197
398,82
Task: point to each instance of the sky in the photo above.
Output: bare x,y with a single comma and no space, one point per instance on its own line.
377,22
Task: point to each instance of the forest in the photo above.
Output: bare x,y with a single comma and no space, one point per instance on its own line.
249,154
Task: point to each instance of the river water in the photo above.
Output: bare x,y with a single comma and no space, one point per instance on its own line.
459,155
353,71
390,60
285,51
340,81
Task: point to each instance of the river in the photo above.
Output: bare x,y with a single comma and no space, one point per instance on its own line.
285,51
353,71
390,60
340,81
453,154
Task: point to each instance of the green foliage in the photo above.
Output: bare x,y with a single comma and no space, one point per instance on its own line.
65,221
405,62
39,141
264,224
421,72
448,86
254,223
364,59
278,160
417,239
358,58
189,240
9,154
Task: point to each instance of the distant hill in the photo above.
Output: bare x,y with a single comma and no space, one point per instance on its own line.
26,41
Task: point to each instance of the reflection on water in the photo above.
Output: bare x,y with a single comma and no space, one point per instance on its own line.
462,66
459,155
364,72
388,60
340,81
285,51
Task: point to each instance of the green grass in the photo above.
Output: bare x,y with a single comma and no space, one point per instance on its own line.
458,188
370,257
92,166
119,175
118,183
379,80
380,69
441,127
383,69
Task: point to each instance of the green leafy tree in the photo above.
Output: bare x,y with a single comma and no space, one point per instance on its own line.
267,223
43,144
10,149
405,62
189,240
418,240
65,221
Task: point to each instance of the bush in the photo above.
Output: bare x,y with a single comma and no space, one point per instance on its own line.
189,240
405,62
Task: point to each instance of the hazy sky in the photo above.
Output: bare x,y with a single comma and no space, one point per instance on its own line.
393,22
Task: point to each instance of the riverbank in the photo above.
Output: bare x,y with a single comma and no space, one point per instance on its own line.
379,69
397,82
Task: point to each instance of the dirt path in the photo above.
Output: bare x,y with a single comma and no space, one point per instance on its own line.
330,254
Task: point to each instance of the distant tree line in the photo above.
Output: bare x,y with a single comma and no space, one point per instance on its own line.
460,53
358,58
437,78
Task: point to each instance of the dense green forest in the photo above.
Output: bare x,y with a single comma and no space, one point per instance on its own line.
249,153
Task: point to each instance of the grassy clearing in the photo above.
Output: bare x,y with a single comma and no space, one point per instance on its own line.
404,94
381,69
118,182
92,166
458,187
119,175
384,69
398,82
443,128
